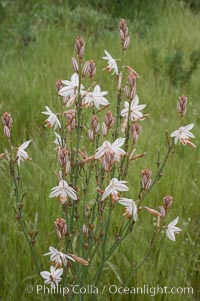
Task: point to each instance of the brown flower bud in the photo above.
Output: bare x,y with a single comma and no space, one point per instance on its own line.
63,158
108,161
136,129
7,122
109,119
59,85
131,81
92,69
167,200
79,47
95,124
182,105
123,31
126,42
71,122
126,91
61,228
146,179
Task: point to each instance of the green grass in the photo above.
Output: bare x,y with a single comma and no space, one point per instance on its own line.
36,50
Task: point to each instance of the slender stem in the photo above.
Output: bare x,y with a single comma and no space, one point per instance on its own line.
78,130
79,109
133,271
119,99
159,172
16,181
30,244
99,271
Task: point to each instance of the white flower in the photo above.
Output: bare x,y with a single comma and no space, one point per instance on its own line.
58,257
113,148
95,98
135,109
52,120
70,90
109,153
113,188
21,154
53,278
112,65
171,229
63,190
130,207
183,134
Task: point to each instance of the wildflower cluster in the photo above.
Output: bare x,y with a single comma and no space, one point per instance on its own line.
95,146
94,160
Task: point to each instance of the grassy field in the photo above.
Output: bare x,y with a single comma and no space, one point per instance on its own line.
36,48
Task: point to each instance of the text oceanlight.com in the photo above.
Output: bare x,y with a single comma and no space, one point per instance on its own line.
111,289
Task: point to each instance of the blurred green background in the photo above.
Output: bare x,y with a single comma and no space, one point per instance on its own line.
36,45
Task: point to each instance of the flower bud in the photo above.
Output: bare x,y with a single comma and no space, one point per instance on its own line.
109,119
182,105
126,91
75,64
95,124
126,42
133,92
104,129
136,129
146,179
123,31
71,122
7,122
59,85
167,200
79,47
162,212
63,158
61,228
85,69
91,135
92,69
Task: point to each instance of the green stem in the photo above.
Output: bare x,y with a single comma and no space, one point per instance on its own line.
133,271
30,244
159,172
16,181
